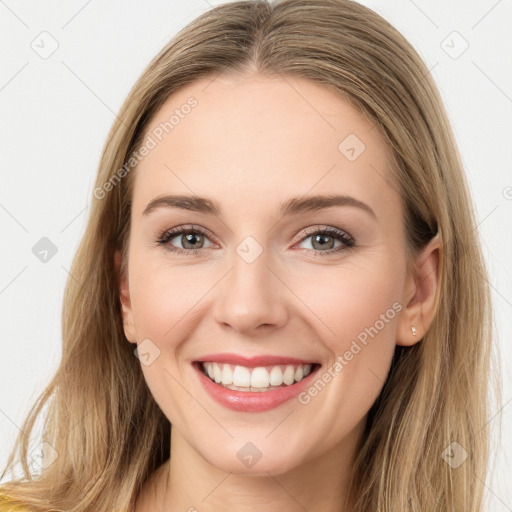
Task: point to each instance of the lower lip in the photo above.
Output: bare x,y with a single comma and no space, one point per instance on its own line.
252,401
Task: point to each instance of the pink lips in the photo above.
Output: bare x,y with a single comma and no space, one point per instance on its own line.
247,401
252,362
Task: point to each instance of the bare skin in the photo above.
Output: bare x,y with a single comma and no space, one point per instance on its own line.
251,144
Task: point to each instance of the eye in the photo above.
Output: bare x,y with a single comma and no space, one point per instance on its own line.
194,238
324,238
191,238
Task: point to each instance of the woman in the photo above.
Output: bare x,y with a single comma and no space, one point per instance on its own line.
282,234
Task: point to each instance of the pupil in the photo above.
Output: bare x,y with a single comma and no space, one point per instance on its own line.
191,239
322,240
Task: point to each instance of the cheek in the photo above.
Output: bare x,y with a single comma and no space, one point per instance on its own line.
163,297
360,305
356,302
166,308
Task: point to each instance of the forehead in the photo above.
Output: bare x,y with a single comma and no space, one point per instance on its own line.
264,137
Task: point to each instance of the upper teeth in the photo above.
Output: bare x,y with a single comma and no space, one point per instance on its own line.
259,377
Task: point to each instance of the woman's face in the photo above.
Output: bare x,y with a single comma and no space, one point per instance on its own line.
252,277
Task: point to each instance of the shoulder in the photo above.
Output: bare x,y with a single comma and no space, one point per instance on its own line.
6,505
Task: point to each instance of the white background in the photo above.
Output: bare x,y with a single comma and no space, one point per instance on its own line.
56,112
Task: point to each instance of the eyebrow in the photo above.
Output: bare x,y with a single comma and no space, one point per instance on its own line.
294,206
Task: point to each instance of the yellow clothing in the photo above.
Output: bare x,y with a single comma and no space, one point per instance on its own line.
6,505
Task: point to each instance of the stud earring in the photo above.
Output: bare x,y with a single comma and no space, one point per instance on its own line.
413,329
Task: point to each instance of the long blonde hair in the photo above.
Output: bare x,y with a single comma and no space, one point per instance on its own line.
106,429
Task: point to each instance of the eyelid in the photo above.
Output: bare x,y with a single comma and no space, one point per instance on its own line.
321,228
183,228
346,239
167,235
343,236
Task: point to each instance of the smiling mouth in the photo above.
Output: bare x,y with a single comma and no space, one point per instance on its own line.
260,378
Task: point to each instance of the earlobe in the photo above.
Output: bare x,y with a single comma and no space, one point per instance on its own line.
421,294
124,297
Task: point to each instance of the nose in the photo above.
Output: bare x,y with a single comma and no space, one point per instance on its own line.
251,298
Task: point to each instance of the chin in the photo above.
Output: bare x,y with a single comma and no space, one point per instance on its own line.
255,459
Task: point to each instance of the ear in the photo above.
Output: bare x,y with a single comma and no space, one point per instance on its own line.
421,294
124,296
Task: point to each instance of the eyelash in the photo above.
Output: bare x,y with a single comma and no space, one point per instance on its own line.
347,240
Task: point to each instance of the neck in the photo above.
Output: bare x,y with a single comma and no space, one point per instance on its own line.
188,482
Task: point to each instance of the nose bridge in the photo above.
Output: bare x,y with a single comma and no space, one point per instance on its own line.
251,295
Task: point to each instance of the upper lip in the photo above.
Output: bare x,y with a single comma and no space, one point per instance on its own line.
253,361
